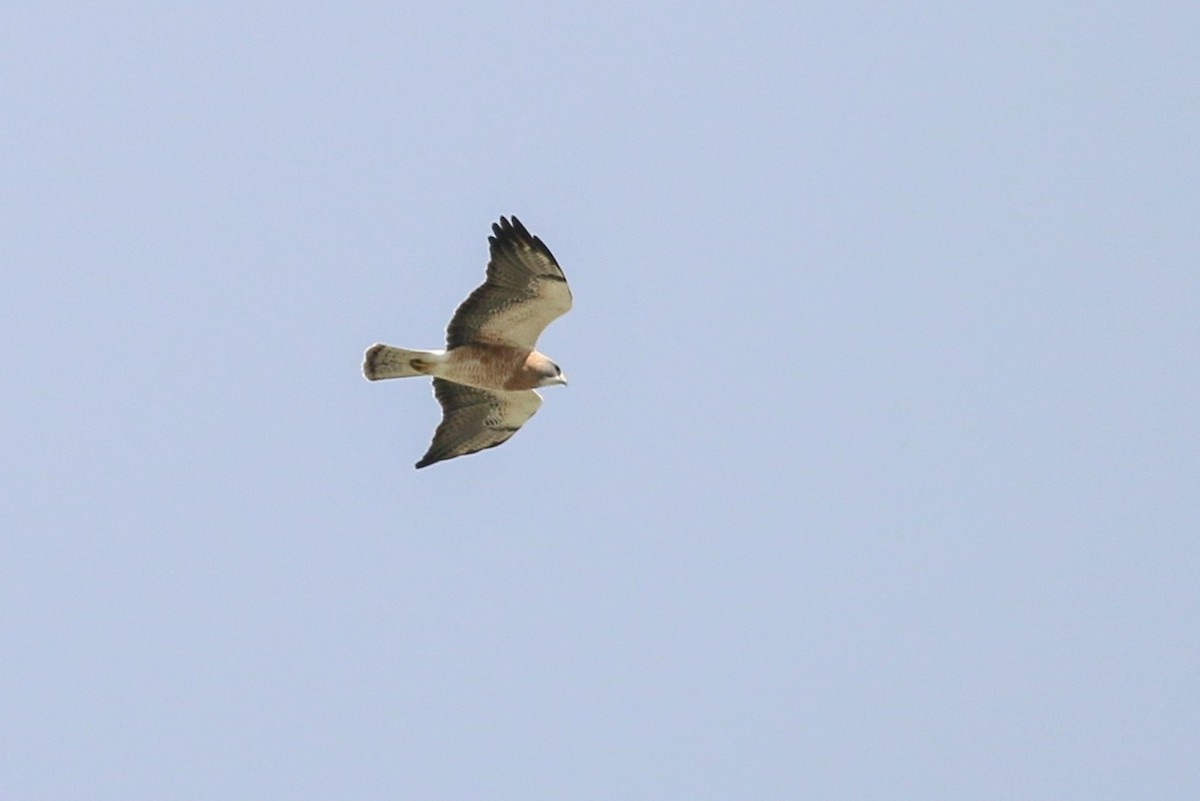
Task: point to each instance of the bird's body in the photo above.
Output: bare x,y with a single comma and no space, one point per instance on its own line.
485,377
495,367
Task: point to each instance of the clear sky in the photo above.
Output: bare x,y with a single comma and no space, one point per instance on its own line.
877,476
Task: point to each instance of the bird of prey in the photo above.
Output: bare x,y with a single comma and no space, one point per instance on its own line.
485,377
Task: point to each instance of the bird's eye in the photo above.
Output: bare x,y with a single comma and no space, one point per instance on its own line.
557,370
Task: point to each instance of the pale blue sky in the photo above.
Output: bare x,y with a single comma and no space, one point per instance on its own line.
876,477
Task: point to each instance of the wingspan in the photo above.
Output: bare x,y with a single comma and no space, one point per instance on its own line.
524,292
474,419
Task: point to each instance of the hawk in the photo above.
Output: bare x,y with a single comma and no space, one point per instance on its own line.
485,377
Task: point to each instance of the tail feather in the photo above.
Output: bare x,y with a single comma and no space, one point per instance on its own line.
383,361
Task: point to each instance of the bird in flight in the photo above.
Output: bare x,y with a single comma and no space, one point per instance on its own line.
485,377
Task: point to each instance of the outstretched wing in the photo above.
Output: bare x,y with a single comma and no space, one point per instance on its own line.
474,419
524,292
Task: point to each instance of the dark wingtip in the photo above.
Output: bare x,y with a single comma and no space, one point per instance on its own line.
521,230
511,230
509,224
427,460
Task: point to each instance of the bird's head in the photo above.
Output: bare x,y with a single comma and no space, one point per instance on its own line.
545,372
551,374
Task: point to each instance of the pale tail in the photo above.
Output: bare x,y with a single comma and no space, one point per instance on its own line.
384,361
